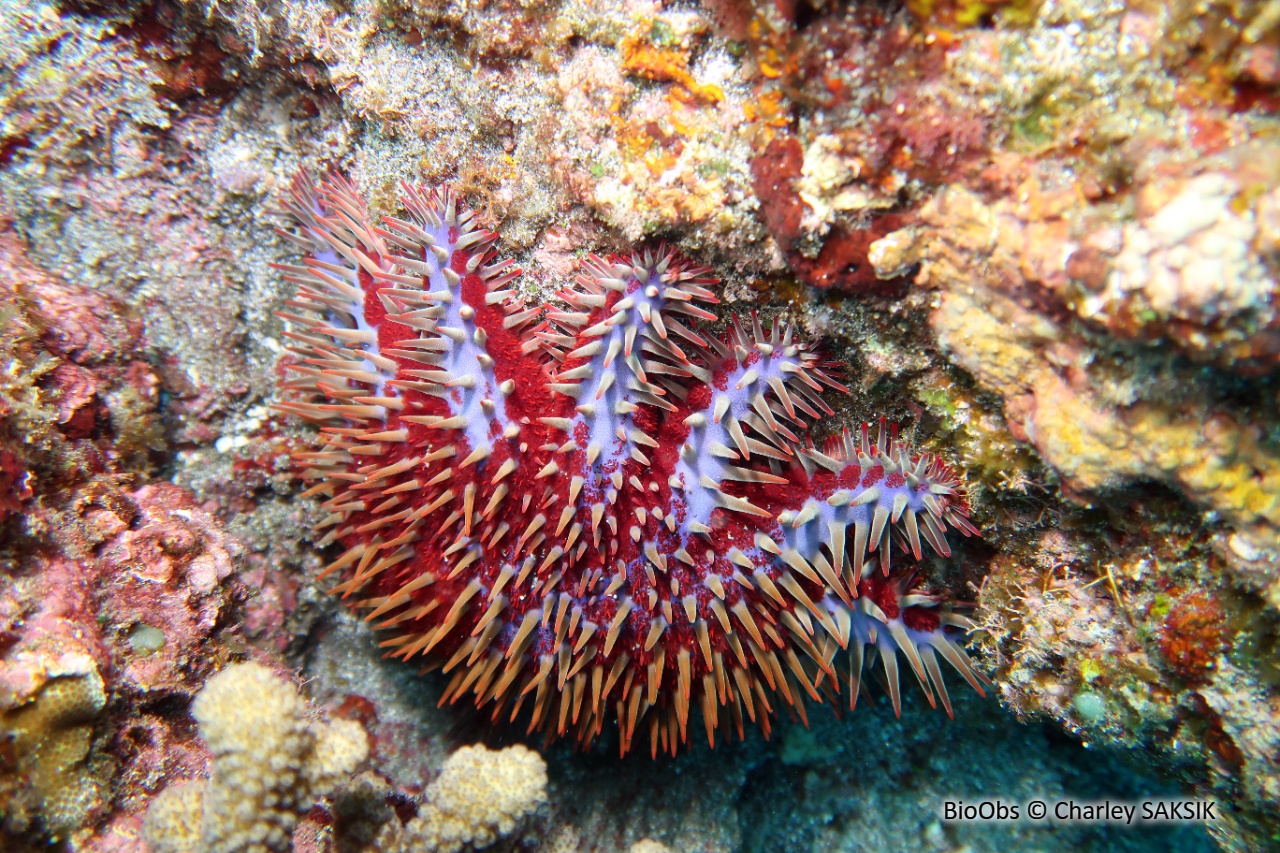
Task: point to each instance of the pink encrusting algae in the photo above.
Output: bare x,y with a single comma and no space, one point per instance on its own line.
598,512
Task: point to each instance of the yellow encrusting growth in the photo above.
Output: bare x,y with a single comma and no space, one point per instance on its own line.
50,739
1091,422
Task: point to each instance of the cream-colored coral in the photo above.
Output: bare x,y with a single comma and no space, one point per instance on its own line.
270,764
174,818
648,845
564,839
480,796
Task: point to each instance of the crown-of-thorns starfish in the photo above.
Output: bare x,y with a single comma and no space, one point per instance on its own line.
598,513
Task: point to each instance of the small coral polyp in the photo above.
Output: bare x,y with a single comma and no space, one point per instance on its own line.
598,514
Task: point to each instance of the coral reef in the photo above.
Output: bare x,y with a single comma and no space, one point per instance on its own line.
1122,313
270,764
1096,434
110,593
1041,231
1193,269
141,610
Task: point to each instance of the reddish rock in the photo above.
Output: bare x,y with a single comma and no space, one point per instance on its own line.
842,264
76,390
77,323
774,173
1193,634
15,485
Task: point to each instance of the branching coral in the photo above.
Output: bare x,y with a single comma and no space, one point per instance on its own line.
271,763
480,796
